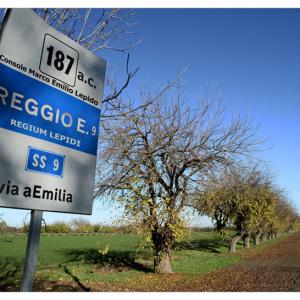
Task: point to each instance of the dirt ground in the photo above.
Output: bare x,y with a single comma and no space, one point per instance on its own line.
273,270
276,268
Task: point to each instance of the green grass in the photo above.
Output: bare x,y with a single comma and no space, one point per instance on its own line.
72,257
202,252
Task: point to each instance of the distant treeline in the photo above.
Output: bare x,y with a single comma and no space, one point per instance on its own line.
75,226
79,226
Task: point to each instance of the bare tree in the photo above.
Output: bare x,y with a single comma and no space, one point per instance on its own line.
153,159
99,30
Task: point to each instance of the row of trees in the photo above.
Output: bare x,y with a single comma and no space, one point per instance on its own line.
245,199
166,157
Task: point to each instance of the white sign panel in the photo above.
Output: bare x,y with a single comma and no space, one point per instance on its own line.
50,99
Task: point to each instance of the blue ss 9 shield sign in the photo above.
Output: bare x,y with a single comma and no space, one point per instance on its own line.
45,162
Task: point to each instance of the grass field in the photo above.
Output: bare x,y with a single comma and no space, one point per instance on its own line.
77,258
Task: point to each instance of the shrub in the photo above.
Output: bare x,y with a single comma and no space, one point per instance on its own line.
58,227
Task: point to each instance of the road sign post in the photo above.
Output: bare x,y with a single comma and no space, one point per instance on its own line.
32,250
50,102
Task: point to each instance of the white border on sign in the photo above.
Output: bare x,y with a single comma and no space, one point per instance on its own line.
154,3
150,296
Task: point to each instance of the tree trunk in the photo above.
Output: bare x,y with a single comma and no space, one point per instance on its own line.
247,241
163,264
232,243
162,261
270,236
161,251
256,238
264,238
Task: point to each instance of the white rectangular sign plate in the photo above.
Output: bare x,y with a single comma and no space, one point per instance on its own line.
50,99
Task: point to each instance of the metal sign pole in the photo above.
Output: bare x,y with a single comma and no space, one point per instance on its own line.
32,250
